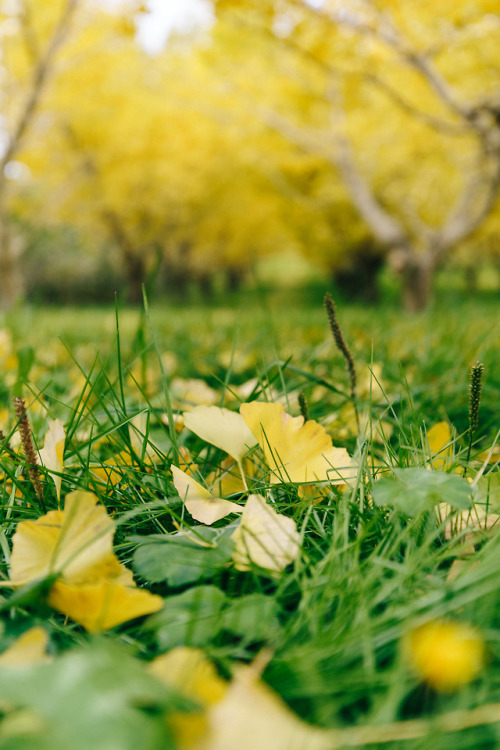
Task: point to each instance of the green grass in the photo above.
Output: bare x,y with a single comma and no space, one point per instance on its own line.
375,557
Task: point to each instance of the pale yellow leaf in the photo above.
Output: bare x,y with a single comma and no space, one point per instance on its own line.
51,455
244,714
189,671
74,542
30,648
251,715
199,501
296,451
264,537
221,427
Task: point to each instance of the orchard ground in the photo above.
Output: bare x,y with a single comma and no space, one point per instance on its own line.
373,622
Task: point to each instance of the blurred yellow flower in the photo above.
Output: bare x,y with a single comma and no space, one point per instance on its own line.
445,654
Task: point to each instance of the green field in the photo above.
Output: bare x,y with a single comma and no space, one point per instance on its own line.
350,605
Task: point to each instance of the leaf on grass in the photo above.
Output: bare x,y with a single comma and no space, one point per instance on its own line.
51,455
445,654
414,490
197,617
191,618
76,541
227,479
113,470
264,537
244,713
29,648
104,604
179,559
199,501
252,617
251,715
95,697
296,451
188,670
221,427
440,446
76,544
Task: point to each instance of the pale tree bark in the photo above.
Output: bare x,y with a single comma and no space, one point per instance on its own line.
414,249
11,281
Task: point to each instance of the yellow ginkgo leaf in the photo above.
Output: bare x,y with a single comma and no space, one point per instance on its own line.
75,542
440,446
112,471
244,713
264,537
29,649
104,604
251,715
296,451
199,501
227,479
223,428
188,670
192,392
51,455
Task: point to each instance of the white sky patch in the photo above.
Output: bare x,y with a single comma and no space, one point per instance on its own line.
172,16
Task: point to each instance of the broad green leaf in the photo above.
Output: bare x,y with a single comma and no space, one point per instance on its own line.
197,616
189,619
413,490
251,617
180,559
95,697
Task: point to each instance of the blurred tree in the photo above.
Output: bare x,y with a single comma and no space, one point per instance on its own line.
31,34
150,153
403,101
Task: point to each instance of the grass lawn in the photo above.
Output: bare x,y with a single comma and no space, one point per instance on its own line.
214,539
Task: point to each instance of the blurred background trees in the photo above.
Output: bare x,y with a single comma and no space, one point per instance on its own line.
363,135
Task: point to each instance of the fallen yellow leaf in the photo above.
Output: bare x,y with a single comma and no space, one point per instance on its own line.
264,537
296,451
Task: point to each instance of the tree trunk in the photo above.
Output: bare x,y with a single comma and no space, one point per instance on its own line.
234,279
11,281
471,278
135,270
418,277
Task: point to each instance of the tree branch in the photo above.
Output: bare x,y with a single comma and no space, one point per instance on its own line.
384,227
38,81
